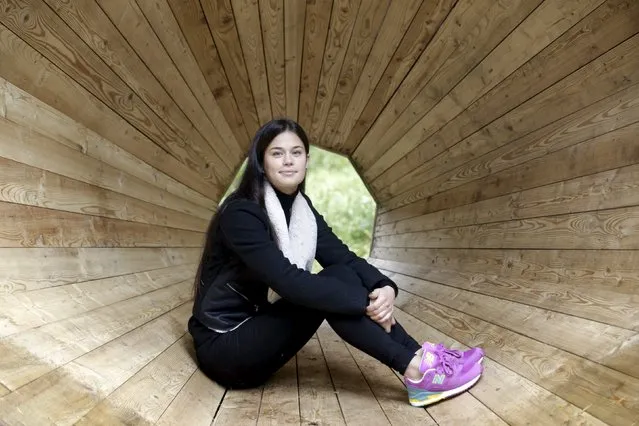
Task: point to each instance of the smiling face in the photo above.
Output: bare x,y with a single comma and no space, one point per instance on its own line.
285,162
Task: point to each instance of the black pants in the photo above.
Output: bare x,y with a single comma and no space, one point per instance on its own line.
247,356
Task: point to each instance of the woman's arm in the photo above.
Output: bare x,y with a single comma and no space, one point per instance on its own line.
244,228
331,250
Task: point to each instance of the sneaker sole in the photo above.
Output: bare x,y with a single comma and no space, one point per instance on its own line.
432,398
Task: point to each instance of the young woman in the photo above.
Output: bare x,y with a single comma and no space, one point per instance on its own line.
257,303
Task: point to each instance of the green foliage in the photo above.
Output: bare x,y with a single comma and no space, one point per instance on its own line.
339,194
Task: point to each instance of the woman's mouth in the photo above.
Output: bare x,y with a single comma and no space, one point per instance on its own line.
288,173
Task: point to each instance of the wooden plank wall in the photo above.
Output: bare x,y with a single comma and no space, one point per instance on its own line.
499,139
506,171
113,153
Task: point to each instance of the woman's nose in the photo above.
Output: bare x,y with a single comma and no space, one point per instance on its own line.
288,158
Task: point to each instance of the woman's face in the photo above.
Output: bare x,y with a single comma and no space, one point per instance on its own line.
285,162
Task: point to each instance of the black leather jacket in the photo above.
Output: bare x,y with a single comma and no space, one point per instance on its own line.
245,260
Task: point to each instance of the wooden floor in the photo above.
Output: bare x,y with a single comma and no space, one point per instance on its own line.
116,351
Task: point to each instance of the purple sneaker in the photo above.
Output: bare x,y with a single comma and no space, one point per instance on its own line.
468,357
443,377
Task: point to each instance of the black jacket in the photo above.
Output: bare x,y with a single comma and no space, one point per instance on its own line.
245,261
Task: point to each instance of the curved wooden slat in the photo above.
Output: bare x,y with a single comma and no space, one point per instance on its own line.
615,21
219,15
318,15
538,30
41,27
194,26
575,282
21,66
271,19
29,112
468,34
247,19
340,30
294,19
367,26
166,27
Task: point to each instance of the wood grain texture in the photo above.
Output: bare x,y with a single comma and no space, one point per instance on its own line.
40,188
27,226
405,33
449,412
145,396
294,19
498,137
239,406
39,152
509,395
167,29
606,190
318,15
608,229
597,285
609,114
42,27
357,402
194,26
63,341
570,377
127,16
195,404
29,112
469,33
318,399
538,30
616,348
221,22
22,66
280,403
66,394
365,31
93,24
26,269
26,310
247,20
271,18
389,391
606,152
340,30
613,25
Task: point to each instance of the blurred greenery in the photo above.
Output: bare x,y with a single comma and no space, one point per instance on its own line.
339,195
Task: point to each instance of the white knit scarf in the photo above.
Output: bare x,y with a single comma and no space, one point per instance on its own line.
298,241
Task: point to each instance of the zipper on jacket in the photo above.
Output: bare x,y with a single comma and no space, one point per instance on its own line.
257,308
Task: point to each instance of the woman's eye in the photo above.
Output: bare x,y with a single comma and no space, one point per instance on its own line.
277,154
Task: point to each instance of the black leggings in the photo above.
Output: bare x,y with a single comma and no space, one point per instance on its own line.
247,356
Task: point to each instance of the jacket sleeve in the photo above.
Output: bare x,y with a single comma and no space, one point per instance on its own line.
244,228
331,250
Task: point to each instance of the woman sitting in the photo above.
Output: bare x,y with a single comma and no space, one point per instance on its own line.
257,303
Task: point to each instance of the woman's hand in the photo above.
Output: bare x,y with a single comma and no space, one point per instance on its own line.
380,309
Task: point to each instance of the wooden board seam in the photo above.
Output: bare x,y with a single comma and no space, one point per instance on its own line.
505,299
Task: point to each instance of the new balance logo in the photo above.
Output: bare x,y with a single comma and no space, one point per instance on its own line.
438,379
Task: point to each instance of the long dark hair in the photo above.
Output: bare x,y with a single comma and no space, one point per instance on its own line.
251,185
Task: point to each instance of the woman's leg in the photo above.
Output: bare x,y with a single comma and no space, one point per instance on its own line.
247,356
395,349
